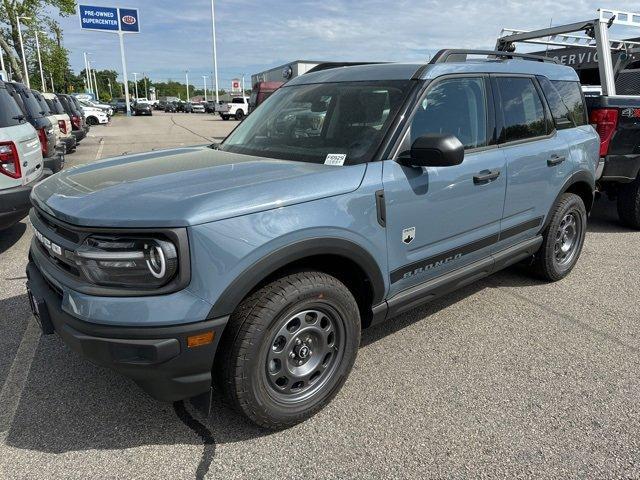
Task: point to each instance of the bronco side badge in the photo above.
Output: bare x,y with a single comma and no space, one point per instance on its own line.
408,234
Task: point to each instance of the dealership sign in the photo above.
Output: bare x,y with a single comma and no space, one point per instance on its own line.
109,19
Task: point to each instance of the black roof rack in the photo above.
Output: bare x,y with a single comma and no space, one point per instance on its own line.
449,55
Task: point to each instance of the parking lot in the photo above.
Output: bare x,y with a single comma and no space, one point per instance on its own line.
509,377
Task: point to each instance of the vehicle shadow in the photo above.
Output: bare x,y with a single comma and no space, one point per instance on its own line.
604,218
67,404
11,235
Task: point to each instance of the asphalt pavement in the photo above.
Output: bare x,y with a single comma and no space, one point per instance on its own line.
509,377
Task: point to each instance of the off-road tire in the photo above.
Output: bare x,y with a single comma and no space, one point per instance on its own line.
546,264
92,121
239,115
240,369
225,117
629,204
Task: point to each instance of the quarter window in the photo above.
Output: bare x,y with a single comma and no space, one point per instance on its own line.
455,106
571,94
523,111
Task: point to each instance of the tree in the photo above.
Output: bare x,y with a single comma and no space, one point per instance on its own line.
54,56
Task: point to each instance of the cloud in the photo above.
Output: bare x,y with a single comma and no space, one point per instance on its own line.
256,34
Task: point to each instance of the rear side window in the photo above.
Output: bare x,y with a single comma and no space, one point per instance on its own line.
10,113
522,108
571,95
31,104
43,104
455,106
237,100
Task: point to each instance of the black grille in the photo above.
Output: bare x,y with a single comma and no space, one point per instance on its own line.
58,228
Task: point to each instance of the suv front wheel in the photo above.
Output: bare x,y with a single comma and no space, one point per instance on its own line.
289,348
562,239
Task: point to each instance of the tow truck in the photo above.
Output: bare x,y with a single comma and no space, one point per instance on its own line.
616,118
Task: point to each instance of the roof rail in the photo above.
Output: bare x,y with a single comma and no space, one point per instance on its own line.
330,65
449,55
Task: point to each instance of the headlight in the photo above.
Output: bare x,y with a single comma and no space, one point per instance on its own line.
127,261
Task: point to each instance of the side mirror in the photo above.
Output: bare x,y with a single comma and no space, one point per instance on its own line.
435,150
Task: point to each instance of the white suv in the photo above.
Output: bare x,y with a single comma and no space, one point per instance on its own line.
21,163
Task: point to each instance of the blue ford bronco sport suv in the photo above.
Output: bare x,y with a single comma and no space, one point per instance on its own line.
349,196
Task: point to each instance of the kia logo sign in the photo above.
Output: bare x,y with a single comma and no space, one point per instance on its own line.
129,19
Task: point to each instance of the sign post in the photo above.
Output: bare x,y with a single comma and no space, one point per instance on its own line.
114,20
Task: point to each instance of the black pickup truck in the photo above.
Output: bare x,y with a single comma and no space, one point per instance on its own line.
617,120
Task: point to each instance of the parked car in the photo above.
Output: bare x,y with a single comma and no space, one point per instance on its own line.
170,107
37,116
142,109
120,105
86,126
63,120
237,108
78,128
210,106
107,109
93,116
60,146
197,108
187,107
358,194
21,164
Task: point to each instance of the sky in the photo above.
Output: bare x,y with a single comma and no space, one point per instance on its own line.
253,35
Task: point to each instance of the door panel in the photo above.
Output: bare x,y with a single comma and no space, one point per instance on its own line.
456,221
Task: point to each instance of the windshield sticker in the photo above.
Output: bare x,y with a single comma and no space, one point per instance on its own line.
335,159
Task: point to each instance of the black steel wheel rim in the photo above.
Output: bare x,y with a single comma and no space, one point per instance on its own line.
568,238
303,353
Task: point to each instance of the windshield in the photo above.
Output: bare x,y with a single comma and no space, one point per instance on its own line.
312,122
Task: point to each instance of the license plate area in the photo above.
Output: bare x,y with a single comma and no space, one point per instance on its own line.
40,312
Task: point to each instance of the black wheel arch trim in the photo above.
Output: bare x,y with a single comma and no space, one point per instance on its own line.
281,257
577,177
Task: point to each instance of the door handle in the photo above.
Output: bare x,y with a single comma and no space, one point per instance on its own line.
485,176
555,160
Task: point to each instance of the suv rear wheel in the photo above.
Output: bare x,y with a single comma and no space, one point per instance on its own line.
629,204
562,239
289,348
239,115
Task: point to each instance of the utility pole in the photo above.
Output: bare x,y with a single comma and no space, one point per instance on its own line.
42,82
110,91
124,73
215,53
186,73
53,88
204,78
24,59
243,86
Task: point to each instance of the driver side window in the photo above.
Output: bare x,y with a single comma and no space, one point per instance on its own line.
455,106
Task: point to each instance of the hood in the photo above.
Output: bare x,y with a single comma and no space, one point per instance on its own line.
186,186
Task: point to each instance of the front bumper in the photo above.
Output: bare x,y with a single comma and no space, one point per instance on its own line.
156,358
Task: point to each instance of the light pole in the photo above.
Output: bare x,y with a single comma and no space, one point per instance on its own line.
53,88
135,83
243,85
215,53
1,61
44,85
110,91
186,74
86,71
204,79
95,84
24,59
146,90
